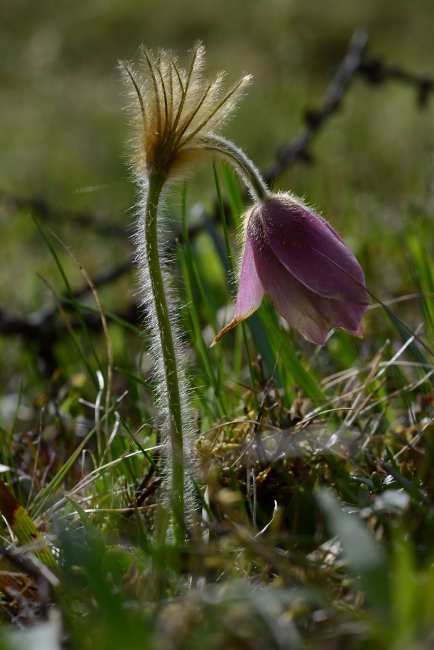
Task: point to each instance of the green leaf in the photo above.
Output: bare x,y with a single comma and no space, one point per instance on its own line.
366,558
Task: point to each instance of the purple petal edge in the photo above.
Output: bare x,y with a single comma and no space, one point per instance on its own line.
312,251
250,290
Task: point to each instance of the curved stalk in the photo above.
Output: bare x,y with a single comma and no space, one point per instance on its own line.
227,150
168,351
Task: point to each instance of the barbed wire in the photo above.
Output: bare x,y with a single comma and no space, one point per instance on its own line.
298,147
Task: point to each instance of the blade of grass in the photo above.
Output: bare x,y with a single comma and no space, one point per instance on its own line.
109,314
422,270
234,195
77,310
135,378
203,352
74,337
45,494
142,449
289,361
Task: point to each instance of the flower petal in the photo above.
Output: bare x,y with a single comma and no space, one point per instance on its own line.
312,251
250,290
348,316
302,308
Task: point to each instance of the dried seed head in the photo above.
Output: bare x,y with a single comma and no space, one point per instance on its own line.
174,109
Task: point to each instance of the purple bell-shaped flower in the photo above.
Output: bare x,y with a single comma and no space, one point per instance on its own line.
296,258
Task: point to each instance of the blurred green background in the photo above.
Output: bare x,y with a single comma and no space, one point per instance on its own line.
63,130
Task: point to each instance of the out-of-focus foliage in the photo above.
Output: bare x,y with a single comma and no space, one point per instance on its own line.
282,424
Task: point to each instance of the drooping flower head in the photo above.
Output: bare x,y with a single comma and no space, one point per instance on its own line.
177,111
296,258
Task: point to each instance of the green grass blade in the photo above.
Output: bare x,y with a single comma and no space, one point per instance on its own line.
203,351
109,314
45,494
234,195
142,449
82,353
289,362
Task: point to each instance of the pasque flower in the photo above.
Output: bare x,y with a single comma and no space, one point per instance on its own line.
296,258
291,254
178,114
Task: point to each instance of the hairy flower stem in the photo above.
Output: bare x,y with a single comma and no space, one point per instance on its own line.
175,424
230,153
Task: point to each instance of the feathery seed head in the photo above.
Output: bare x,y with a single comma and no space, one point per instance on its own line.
175,109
